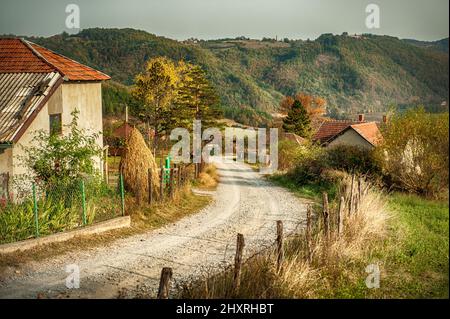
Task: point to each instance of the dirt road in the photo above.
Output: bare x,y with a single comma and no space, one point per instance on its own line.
244,203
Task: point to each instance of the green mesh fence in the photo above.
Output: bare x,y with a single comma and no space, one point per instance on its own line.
59,207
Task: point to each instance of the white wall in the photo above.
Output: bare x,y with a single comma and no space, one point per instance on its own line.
350,137
85,96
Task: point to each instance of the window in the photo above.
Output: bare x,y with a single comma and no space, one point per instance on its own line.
55,124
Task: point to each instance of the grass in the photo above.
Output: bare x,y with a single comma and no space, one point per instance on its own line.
416,253
144,217
311,191
335,263
411,248
413,258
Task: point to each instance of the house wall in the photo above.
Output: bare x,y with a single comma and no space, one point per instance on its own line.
350,137
84,96
6,161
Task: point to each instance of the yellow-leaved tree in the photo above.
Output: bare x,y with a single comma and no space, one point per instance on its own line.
155,89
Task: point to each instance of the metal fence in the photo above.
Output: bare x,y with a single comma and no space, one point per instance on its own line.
60,207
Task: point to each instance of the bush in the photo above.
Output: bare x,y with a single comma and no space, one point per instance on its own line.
289,153
311,163
55,160
314,164
414,153
352,159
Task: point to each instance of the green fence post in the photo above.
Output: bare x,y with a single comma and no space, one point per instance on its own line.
35,210
122,194
83,202
167,170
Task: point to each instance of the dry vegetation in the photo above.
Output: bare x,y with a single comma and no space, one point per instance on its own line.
135,164
209,178
330,264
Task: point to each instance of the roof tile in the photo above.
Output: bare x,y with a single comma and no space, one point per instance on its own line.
17,56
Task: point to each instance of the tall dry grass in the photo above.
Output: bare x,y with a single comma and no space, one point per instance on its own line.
135,164
331,263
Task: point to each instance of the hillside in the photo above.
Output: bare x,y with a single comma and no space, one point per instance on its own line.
354,74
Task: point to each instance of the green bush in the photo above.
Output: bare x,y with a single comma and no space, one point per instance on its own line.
414,155
311,163
352,159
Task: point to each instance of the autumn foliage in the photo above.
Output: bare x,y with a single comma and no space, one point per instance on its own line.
315,106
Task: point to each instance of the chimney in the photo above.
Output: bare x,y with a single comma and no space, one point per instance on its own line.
385,119
361,117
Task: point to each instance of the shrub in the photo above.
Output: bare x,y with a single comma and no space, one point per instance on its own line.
352,159
310,165
56,160
414,153
289,153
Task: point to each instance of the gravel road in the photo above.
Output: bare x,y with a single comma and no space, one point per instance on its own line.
244,202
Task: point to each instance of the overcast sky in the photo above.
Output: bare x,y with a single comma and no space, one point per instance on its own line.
212,19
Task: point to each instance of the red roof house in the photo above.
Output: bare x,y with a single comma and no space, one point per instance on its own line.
39,90
357,133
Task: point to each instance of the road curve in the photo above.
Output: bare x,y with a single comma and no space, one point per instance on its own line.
244,202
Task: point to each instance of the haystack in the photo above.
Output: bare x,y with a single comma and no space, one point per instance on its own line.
136,160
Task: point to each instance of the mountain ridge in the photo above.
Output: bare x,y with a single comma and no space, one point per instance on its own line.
354,73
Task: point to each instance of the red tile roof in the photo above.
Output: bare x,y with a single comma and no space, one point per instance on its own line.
330,128
20,56
73,70
17,57
369,131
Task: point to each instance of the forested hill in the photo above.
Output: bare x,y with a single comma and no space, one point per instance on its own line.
353,73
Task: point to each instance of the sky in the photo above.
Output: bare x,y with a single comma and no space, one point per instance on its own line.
214,19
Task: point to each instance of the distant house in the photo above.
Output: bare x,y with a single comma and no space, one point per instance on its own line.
355,133
38,91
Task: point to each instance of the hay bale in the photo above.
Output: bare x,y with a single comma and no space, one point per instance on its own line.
136,160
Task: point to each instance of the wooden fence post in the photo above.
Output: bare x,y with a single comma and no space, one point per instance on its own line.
341,216
164,283
106,165
161,185
360,193
326,216
171,183
179,176
280,250
309,233
150,187
352,195
238,263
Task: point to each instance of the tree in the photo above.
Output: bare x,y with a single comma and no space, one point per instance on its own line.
155,89
196,98
414,152
61,158
315,106
297,120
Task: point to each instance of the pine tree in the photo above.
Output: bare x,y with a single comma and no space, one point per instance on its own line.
196,98
297,120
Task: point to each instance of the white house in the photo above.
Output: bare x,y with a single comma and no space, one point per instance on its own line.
38,91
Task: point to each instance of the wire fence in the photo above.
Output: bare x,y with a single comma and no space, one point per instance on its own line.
64,205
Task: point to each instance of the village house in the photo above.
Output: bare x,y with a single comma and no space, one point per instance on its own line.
39,89
347,132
